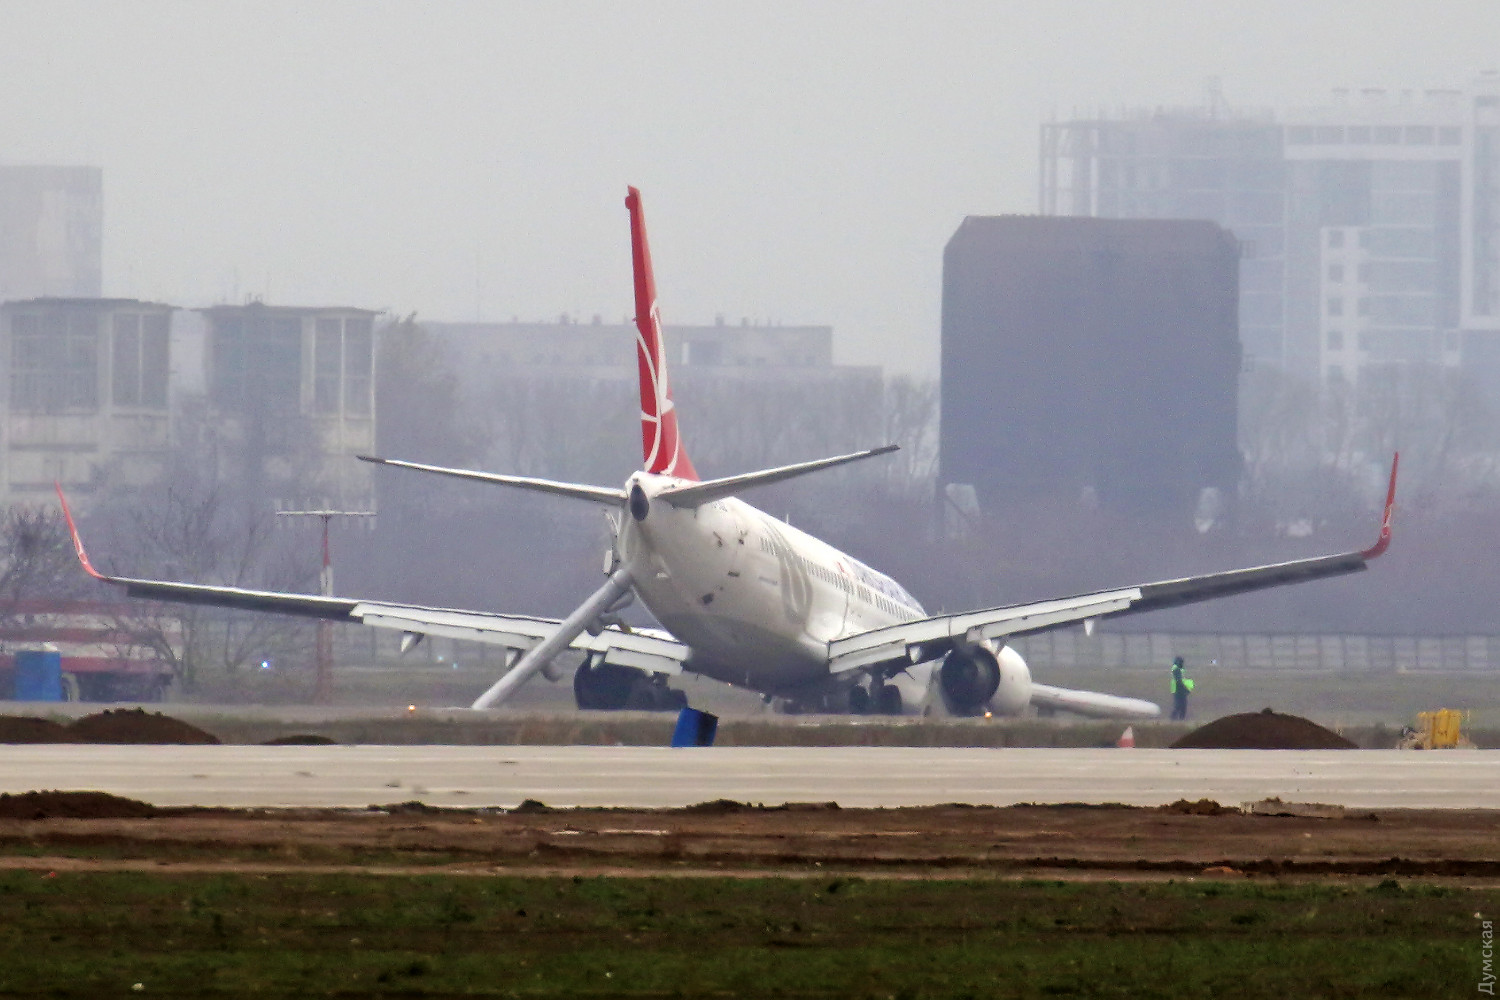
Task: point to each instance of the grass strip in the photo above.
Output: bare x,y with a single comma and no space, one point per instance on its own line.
85,934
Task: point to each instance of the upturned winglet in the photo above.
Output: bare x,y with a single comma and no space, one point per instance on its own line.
1384,541
83,557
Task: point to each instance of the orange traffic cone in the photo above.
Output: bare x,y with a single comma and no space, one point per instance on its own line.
1127,738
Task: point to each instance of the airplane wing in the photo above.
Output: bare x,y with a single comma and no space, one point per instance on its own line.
929,638
652,650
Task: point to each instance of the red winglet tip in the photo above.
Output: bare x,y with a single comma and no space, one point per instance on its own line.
1384,541
83,557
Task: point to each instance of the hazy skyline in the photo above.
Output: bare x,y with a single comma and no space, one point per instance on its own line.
801,163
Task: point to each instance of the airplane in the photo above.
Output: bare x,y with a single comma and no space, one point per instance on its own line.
751,601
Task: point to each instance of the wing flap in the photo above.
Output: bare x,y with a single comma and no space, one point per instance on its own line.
513,631
927,638
644,649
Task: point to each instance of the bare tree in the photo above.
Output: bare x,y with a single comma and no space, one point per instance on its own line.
911,413
36,558
421,411
194,532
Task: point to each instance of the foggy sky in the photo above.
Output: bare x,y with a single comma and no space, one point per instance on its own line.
799,162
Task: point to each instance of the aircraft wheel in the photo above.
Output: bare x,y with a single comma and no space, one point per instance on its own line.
888,700
654,696
859,700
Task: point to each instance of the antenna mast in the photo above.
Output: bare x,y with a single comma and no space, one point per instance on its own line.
323,690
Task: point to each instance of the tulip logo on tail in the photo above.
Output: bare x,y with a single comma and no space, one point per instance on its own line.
660,443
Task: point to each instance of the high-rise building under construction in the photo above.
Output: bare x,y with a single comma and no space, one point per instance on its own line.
1369,225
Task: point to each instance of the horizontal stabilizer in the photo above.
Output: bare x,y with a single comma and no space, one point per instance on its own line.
578,491
698,494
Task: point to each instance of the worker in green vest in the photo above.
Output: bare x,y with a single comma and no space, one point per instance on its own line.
1181,686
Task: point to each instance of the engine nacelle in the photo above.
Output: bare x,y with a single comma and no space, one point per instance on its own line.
1014,693
967,679
609,687
974,678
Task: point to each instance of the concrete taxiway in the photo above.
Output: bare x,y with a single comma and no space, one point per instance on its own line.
645,777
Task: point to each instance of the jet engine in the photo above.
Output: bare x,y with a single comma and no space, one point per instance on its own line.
973,678
610,688
603,686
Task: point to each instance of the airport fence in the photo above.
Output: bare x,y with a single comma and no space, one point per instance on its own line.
1266,651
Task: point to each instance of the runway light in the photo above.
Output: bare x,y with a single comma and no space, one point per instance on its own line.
411,708
988,715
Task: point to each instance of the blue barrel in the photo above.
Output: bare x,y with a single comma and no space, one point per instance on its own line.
695,729
38,675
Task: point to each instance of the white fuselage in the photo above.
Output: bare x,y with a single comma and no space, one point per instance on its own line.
756,599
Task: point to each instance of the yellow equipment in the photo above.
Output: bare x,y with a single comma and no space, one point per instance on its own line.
1436,731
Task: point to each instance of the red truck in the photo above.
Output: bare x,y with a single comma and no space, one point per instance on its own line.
108,653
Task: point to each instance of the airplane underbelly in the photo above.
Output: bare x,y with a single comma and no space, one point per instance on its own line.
747,654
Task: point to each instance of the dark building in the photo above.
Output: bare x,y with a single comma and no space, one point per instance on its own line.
1204,163
1090,356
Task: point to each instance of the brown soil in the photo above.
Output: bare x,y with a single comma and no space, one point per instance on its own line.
1203,807
136,725
25,729
1206,839
72,805
1263,730
121,725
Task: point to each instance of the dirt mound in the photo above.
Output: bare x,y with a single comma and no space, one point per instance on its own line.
136,725
411,807
716,807
1263,730
28,729
73,805
528,806
1202,807
125,725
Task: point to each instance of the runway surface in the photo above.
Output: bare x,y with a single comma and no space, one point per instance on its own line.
645,777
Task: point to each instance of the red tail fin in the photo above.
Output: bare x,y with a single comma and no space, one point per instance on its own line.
660,442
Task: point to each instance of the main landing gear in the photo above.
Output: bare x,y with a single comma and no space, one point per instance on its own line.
879,698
